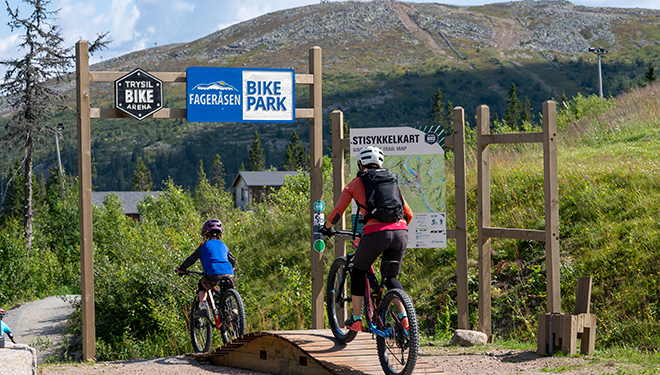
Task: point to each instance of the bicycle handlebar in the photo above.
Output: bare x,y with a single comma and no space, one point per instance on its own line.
189,272
346,234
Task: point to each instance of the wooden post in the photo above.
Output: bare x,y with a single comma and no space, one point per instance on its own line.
461,219
337,187
85,201
550,185
338,174
316,181
483,219
582,295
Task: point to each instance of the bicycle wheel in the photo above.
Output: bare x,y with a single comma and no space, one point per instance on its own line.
232,316
337,301
398,352
201,330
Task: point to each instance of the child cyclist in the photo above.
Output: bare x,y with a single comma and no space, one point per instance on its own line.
5,328
388,238
217,262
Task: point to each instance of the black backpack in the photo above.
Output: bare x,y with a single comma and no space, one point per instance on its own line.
384,200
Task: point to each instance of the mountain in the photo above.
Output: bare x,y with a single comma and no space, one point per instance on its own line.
382,63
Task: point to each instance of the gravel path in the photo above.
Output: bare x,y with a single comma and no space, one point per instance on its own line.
41,324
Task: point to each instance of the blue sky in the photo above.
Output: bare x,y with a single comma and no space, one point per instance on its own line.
139,24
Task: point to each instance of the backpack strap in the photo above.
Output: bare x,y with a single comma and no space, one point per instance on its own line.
366,217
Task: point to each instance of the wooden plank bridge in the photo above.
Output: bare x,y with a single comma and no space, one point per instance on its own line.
304,352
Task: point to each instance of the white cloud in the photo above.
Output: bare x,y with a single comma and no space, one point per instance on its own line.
124,15
183,6
9,45
77,21
252,11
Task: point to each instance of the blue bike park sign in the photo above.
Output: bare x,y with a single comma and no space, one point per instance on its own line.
240,95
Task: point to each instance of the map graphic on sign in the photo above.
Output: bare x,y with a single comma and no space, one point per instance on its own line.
416,156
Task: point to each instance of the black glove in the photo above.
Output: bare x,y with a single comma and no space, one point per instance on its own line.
328,232
180,272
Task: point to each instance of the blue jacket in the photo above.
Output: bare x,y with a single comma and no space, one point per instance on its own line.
5,328
215,256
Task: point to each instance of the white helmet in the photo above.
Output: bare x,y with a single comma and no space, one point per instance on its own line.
370,155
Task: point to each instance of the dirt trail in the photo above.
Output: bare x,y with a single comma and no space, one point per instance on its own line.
412,26
41,324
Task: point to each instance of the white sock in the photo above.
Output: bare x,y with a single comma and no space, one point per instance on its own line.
202,305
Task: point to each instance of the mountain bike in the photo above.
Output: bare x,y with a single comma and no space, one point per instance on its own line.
397,347
225,313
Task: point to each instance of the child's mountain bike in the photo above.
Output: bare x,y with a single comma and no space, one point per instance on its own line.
226,314
397,346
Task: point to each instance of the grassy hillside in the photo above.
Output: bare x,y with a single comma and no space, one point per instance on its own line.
382,64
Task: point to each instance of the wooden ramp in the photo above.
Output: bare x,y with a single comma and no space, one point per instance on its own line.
304,352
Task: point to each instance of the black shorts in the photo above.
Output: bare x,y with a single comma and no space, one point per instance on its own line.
209,281
391,243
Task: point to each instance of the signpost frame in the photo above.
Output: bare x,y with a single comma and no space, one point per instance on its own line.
84,115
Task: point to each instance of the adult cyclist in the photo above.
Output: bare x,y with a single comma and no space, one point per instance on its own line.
217,261
5,327
388,238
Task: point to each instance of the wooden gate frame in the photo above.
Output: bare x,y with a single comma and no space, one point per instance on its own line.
550,186
485,232
84,113
456,140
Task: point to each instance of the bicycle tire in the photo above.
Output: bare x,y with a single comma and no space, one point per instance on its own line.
232,316
398,353
201,330
336,301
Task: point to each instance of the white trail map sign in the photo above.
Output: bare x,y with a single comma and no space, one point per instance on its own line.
417,157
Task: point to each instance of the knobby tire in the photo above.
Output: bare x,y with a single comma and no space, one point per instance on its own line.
398,353
201,330
232,315
335,304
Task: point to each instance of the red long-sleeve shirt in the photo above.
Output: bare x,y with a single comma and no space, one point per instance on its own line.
355,190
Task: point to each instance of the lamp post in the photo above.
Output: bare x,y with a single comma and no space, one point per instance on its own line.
599,51
60,127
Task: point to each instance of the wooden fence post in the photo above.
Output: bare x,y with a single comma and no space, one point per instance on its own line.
316,181
85,201
483,214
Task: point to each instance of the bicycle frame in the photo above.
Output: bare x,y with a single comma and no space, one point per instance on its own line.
217,324
214,310
372,296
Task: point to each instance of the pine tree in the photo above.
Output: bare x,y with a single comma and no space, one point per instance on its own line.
218,172
295,155
512,114
437,109
25,79
526,117
449,118
256,160
650,75
142,177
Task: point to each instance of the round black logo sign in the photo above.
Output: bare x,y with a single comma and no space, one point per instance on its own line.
431,138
